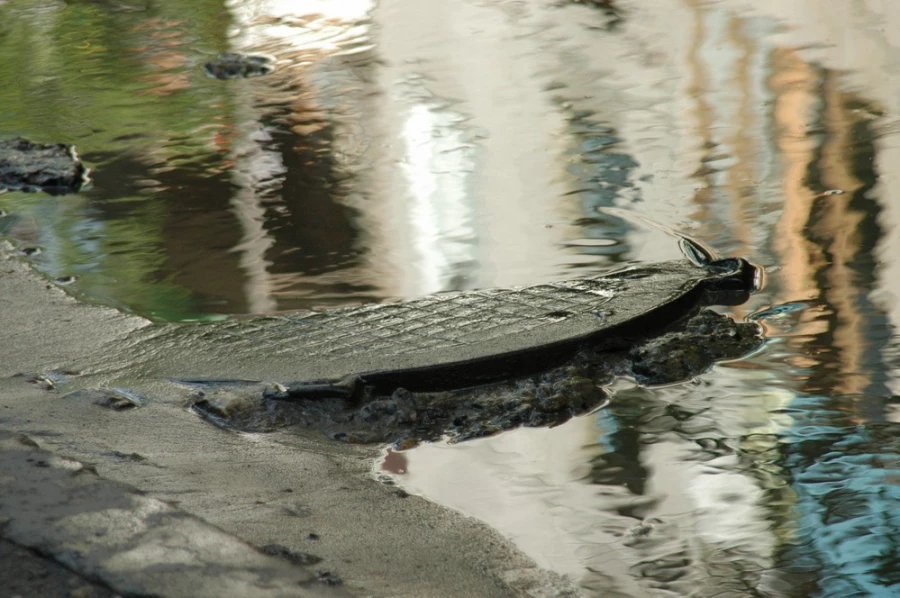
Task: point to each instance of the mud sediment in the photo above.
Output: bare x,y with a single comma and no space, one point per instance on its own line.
405,418
28,166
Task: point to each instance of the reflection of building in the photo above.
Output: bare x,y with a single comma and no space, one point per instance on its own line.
300,244
773,476
845,501
208,196
419,196
445,163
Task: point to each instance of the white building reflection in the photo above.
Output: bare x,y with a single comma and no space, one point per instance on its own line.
439,166
756,118
460,159
298,36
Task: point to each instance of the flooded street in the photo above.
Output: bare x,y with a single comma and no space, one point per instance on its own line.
406,147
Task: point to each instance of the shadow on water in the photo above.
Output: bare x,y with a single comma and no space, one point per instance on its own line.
460,145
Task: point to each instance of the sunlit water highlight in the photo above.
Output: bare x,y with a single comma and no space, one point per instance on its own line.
410,147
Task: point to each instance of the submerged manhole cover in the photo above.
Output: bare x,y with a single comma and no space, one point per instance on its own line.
454,340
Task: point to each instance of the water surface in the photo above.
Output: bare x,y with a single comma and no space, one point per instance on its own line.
406,147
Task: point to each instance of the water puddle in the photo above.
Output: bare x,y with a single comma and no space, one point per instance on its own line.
402,148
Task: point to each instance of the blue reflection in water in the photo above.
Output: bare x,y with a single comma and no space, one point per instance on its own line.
848,488
603,175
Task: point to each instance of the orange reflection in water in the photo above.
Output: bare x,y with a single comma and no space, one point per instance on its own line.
821,234
163,54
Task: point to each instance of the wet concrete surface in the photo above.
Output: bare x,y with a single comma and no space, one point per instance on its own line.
26,573
137,545
303,492
438,342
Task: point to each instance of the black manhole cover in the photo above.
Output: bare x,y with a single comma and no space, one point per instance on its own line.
454,340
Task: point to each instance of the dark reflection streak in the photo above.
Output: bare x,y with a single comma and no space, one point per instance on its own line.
603,175
828,277
315,222
622,465
187,213
845,227
318,233
196,218
862,163
315,255
610,8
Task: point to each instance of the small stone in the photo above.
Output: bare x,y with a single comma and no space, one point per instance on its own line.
116,402
112,398
136,457
238,66
328,578
43,382
27,441
294,556
223,404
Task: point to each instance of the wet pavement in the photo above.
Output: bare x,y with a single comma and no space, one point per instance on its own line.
26,573
115,535
403,148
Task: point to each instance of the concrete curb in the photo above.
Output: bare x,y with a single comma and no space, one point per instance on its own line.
134,544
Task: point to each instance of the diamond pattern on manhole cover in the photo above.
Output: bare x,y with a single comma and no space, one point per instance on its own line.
437,321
